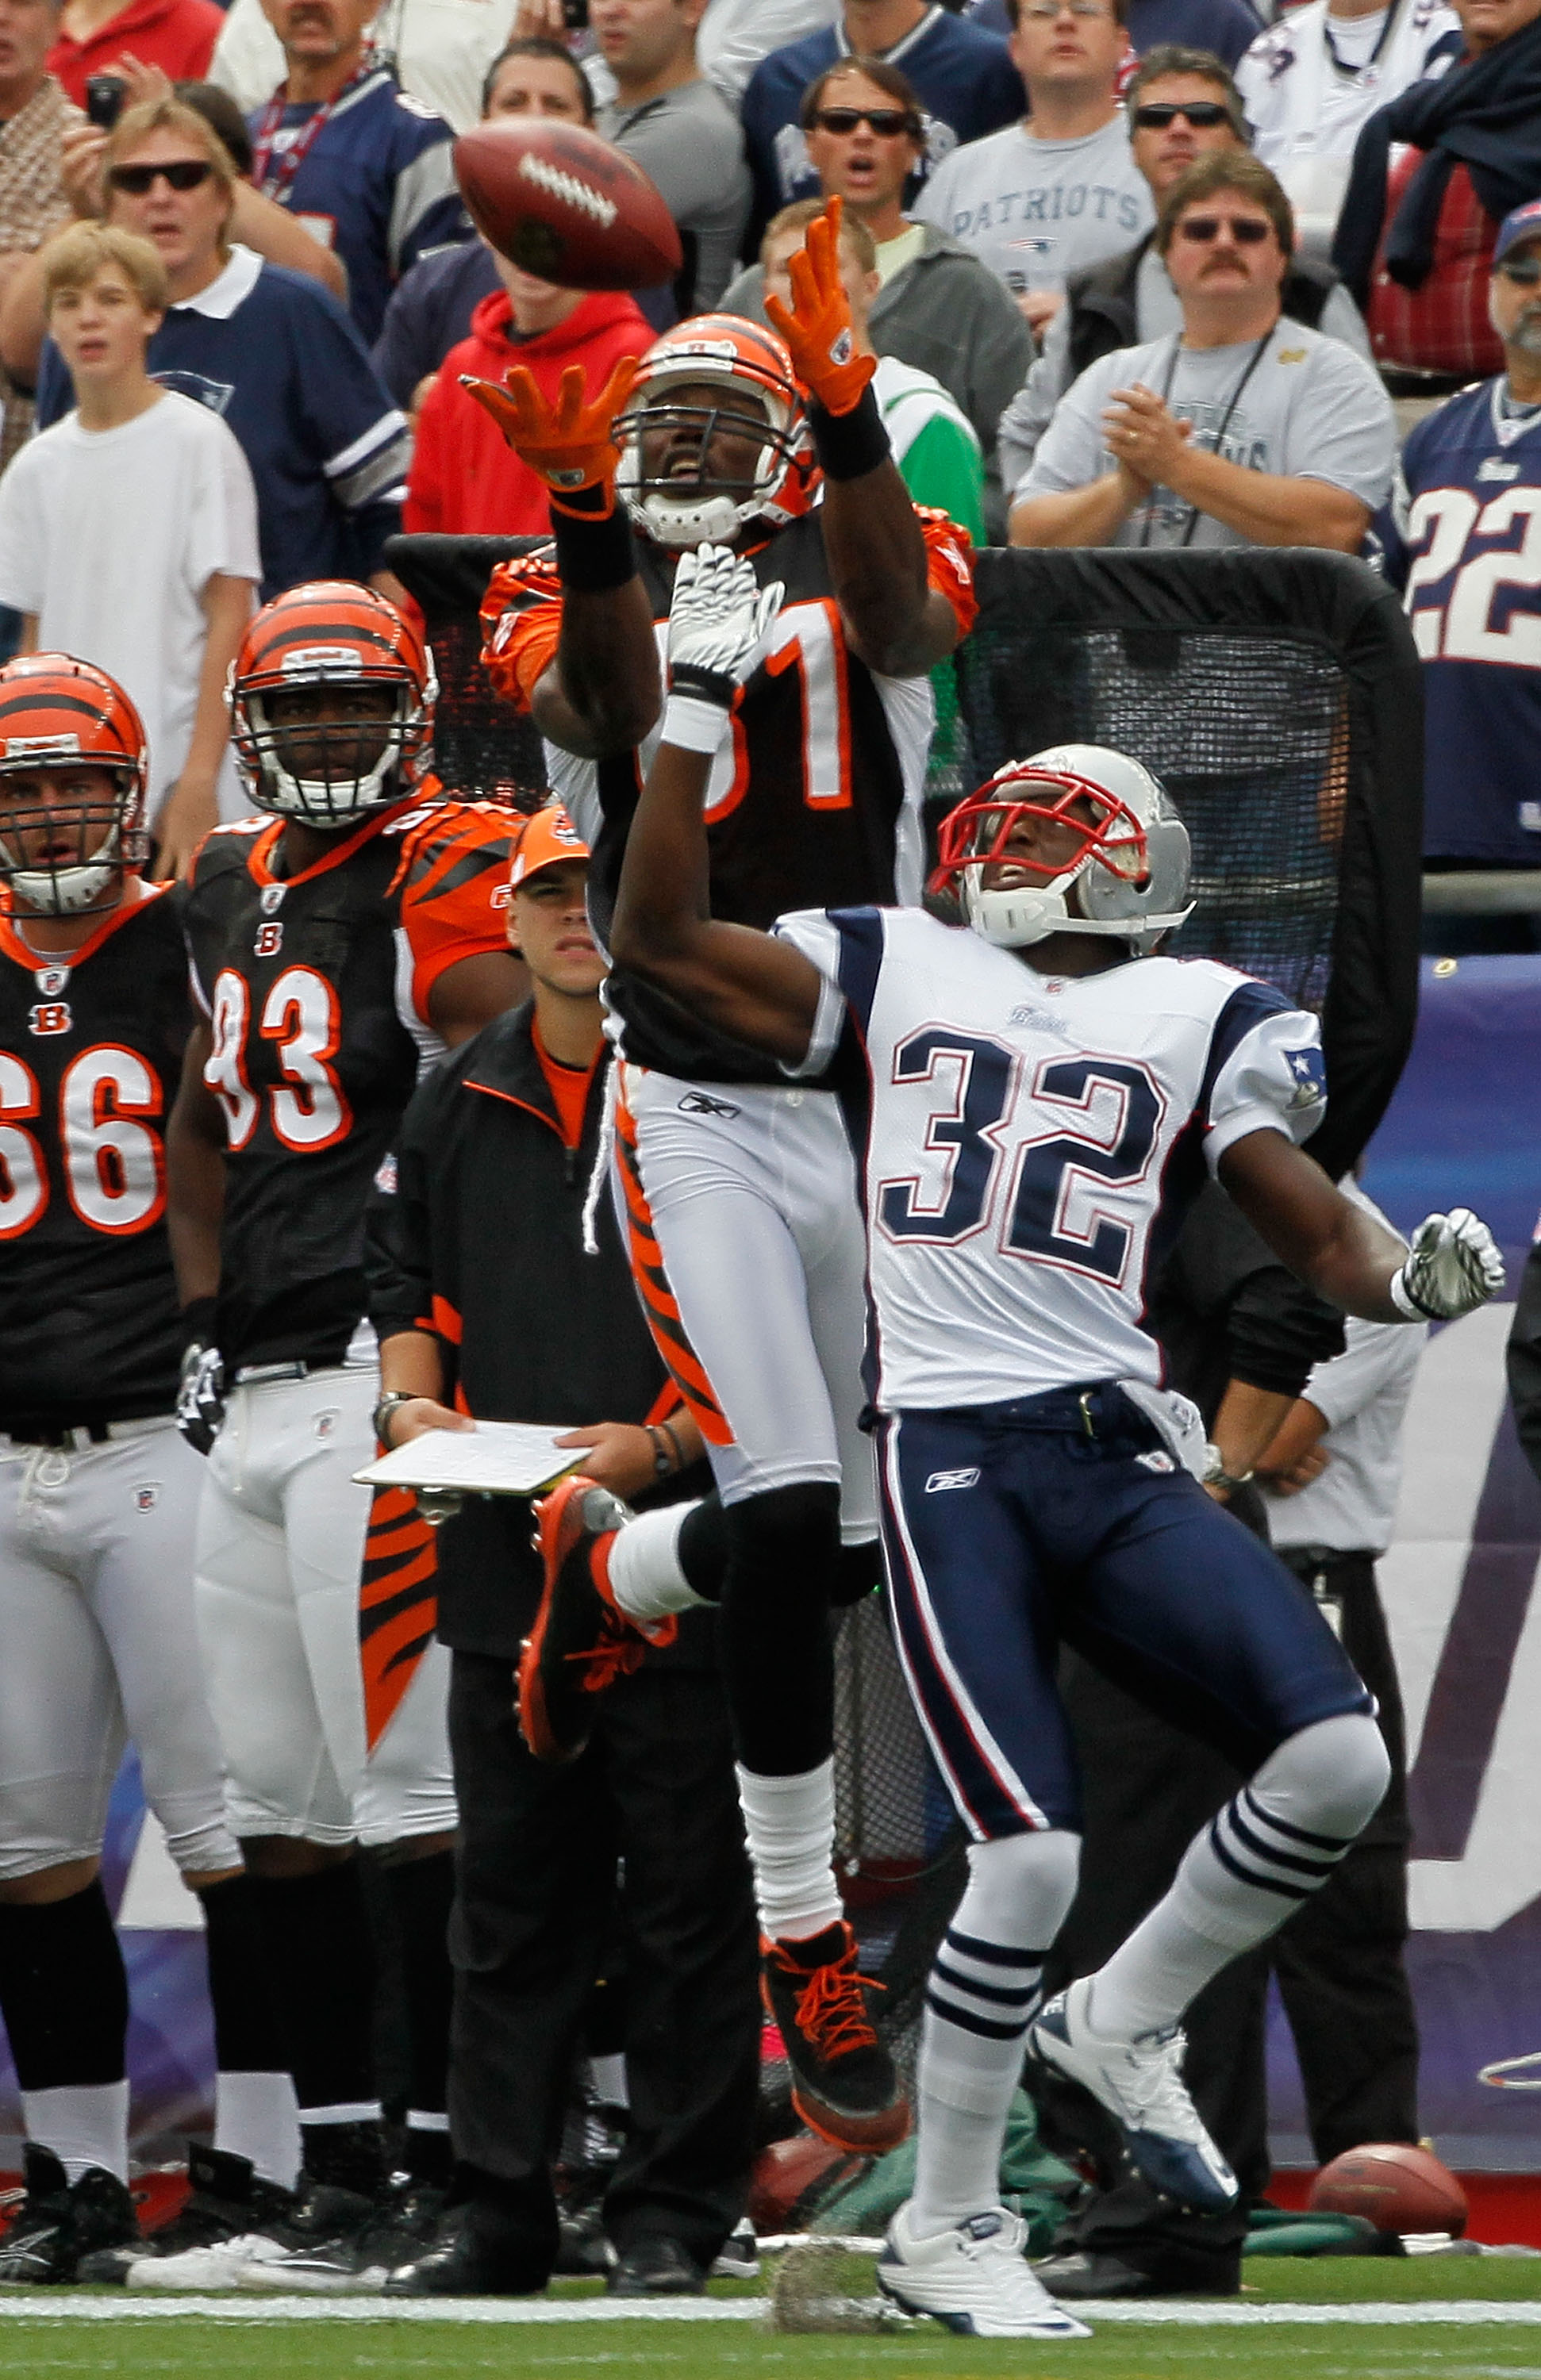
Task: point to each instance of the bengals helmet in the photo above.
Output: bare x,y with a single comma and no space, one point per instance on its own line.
1130,871
761,399
58,714
326,762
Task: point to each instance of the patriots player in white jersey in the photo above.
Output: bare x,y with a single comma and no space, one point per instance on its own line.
1034,1098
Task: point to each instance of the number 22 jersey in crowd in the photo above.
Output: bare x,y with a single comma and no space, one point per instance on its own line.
316,987
1029,1144
91,1049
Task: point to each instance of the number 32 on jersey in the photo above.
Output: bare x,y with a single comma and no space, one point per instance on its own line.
301,1015
1074,1147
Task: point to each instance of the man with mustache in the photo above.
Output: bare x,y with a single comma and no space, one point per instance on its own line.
1467,494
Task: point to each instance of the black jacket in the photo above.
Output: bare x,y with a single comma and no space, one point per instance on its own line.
1525,1360
1103,313
475,1234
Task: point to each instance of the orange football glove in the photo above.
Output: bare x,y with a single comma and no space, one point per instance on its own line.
818,329
569,444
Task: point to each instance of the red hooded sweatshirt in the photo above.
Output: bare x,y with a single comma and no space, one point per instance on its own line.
464,480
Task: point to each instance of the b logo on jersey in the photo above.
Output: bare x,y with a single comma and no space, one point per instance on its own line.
269,941
49,1016
941,1482
51,980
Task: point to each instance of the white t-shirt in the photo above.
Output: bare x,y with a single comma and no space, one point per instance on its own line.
1307,105
1310,409
1035,210
111,536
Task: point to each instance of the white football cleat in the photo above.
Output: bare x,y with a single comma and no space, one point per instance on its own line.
1140,2083
222,2265
973,2278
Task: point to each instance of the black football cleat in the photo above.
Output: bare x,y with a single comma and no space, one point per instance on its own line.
579,1644
843,2084
227,2199
60,2222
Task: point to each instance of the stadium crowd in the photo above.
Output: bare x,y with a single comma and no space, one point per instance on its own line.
310,1108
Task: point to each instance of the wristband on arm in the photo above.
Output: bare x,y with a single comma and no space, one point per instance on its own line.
849,444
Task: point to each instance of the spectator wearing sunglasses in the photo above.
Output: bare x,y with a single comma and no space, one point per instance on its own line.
1241,428
963,75
1060,191
1182,106
1470,475
936,308
1315,78
269,351
1226,28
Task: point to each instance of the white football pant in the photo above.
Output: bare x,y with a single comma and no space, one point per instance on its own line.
96,1619
752,1194
281,1531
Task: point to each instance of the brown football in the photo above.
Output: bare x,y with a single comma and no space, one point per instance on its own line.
564,205
1399,2187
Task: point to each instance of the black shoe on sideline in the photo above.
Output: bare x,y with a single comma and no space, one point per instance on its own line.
655,2268
60,2223
228,2200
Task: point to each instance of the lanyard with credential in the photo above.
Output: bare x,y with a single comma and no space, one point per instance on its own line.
1367,74
294,157
1252,363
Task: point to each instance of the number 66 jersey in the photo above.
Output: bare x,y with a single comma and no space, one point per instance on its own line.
1029,1144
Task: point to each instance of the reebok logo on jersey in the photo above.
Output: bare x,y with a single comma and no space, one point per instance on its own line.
941,1482
49,1016
1157,1460
702,1104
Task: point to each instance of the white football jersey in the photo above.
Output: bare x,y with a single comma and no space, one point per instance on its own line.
1029,1144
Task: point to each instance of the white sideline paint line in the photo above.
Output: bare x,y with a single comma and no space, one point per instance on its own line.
33,2305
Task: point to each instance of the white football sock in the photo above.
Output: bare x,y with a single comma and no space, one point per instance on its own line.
790,1824
644,1566
257,2116
83,2123
981,1995
1271,1847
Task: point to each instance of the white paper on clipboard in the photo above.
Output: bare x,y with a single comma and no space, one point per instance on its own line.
496,1457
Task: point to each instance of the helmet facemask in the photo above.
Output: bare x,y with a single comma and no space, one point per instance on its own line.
1125,871
327,772
85,845
751,401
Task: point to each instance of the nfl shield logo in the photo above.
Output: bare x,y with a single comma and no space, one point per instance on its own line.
272,900
51,980
146,1498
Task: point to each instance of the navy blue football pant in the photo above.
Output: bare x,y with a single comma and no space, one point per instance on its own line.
1011,1529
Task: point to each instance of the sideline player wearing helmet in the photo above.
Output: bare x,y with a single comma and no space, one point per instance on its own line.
98,1493
741,1194
1034,1104
338,943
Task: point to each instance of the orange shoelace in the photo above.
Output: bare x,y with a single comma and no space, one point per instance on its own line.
832,2007
615,1656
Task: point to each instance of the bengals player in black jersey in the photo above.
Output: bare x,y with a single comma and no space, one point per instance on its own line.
338,943
746,1232
98,1493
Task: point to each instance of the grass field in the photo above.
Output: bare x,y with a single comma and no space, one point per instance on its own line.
1371,2319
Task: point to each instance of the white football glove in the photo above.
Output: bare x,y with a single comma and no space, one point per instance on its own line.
719,623
1453,1267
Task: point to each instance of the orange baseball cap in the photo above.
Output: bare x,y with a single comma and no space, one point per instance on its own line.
550,837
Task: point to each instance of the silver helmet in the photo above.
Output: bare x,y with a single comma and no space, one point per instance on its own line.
1129,877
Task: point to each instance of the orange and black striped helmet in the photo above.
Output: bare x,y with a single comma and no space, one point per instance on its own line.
327,760
58,714
761,398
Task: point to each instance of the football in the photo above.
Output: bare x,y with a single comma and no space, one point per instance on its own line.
1399,2187
563,204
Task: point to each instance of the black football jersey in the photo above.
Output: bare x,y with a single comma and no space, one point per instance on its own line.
316,987
813,804
91,1049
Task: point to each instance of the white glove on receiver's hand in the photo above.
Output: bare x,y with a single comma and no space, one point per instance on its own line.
1453,1267
719,623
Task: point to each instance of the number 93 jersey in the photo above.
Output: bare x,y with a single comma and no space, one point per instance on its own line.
1029,1144
91,1048
316,987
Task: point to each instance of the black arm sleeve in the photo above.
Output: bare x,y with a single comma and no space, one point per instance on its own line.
1525,1360
398,1246
1226,1309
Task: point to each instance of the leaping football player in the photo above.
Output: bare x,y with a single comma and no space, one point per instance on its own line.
746,1234
98,1493
1034,1096
337,942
